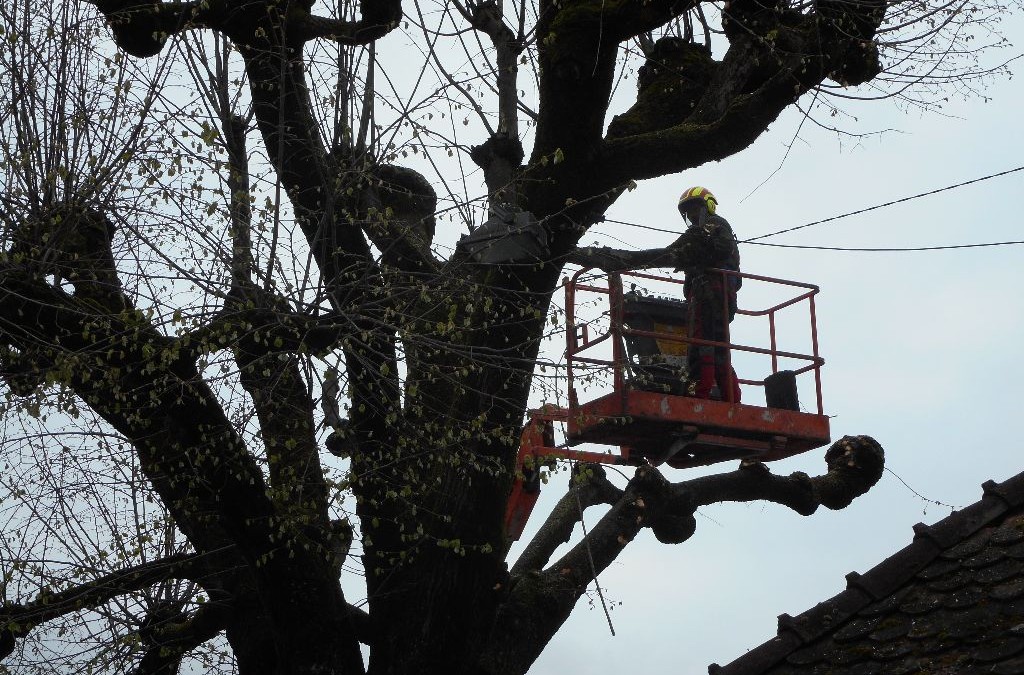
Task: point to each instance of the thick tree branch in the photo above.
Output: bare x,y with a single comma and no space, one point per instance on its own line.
578,45
270,43
279,394
17,620
688,250
361,624
291,135
137,384
400,204
774,57
233,128
379,17
327,215
487,17
577,67
589,487
189,450
627,19
170,634
541,601
686,146
143,28
276,329
285,411
855,464
671,82
118,380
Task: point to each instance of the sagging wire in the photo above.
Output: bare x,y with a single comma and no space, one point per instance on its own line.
755,240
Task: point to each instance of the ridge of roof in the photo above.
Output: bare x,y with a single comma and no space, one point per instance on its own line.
881,580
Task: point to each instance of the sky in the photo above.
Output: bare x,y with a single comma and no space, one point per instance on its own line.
921,349
921,353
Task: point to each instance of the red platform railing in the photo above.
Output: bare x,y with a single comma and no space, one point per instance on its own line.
579,341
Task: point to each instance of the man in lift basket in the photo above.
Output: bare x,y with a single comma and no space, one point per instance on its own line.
706,293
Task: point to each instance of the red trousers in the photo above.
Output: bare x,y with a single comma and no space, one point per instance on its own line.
709,365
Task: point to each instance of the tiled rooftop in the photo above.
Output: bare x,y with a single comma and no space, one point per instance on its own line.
950,602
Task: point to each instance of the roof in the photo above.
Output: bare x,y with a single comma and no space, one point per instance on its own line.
950,602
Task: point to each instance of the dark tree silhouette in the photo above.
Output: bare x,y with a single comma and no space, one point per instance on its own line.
238,362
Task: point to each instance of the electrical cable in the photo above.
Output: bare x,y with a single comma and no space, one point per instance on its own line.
754,240
880,206
590,559
887,250
642,227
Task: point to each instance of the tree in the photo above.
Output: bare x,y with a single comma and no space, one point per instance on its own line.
236,370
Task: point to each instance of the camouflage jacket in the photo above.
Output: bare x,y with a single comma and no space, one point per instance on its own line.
711,244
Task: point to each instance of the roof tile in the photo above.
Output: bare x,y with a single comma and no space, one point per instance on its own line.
971,624
808,655
1013,609
759,658
925,626
906,667
964,598
1011,490
891,651
965,522
866,668
856,629
937,645
951,582
1014,667
922,601
968,547
985,557
893,572
938,568
998,649
1009,591
1009,532
1003,570
892,627
1016,551
885,605
848,657
825,616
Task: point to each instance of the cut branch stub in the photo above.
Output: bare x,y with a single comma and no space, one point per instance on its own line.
142,28
499,156
669,85
855,464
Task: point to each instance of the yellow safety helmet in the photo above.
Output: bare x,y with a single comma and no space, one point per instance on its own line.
695,194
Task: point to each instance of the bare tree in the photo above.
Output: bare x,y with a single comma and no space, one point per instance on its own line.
242,356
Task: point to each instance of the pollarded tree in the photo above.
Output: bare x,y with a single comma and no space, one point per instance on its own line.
219,263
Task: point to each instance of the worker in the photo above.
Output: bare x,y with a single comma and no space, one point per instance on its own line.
711,295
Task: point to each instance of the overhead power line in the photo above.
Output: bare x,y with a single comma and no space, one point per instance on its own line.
889,250
754,240
882,206
642,227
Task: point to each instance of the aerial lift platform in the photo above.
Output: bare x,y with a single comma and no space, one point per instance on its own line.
649,417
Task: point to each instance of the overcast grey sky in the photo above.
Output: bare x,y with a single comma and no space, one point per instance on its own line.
922,351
